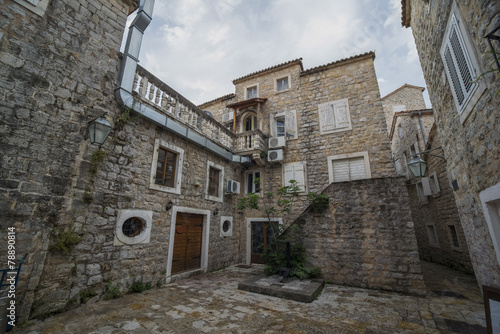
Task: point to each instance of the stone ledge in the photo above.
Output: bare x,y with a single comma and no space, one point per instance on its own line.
304,291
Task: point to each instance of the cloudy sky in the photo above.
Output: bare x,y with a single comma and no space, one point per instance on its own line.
198,47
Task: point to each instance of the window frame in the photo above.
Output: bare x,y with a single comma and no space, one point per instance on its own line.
434,183
276,85
490,200
456,24
423,190
450,235
163,144
282,116
220,185
254,185
330,107
345,156
256,86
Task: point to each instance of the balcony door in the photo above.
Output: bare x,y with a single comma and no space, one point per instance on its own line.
250,122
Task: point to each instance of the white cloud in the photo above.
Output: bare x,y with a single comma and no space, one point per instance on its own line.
198,47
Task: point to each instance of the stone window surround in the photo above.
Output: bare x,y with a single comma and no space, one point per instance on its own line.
470,51
490,200
249,233
429,231
204,238
422,197
229,232
276,91
245,92
219,198
363,154
143,237
37,7
434,181
179,167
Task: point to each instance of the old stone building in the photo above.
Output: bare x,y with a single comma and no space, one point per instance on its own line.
439,234
157,200
451,41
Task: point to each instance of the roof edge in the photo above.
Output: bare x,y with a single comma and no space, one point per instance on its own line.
271,69
340,62
407,113
400,88
219,99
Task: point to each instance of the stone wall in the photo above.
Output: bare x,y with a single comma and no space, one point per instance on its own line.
59,72
439,210
471,145
407,95
366,238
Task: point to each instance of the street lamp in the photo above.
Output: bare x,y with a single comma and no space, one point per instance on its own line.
98,130
418,165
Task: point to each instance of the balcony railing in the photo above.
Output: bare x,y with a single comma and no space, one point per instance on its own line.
172,104
253,140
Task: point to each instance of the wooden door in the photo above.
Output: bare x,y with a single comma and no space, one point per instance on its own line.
187,242
263,234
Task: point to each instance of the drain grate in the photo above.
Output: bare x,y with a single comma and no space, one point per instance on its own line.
444,293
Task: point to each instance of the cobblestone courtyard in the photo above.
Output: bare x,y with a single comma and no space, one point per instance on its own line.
212,303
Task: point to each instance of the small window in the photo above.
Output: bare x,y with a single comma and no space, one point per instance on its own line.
455,244
133,227
423,190
434,183
213,183
226,226
284,124
215,176
334,116
165,168
431,234
295,171
251,92
282,84
349,167
252,182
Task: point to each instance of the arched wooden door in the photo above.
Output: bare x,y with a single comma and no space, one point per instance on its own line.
187,242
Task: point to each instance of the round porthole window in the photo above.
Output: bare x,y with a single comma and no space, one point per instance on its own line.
133,227
226,226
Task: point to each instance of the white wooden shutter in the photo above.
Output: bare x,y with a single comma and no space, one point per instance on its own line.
357,168
272,125
458,65
341,114
340,170
326,117
290,121
426,187
295,171
288,173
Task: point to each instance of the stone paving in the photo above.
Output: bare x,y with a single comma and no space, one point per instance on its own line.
212,303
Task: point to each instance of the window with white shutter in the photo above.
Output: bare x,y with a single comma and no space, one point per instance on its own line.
295,171
461,65
334,116
284,124
349,167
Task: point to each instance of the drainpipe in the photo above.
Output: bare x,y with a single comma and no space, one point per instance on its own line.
422,129
124,96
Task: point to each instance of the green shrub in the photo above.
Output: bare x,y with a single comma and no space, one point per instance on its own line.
111,291
318,202
139,286
66,239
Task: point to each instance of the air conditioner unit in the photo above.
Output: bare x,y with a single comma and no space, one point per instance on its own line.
275,156
277,142
233,187
227,117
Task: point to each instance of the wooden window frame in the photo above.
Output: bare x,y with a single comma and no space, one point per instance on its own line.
214,185
167,146
213,181
164,167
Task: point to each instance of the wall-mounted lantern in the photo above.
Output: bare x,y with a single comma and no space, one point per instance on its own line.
169,205
98,130
418,165
491,36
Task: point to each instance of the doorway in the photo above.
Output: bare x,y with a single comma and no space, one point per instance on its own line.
260,234
187,242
